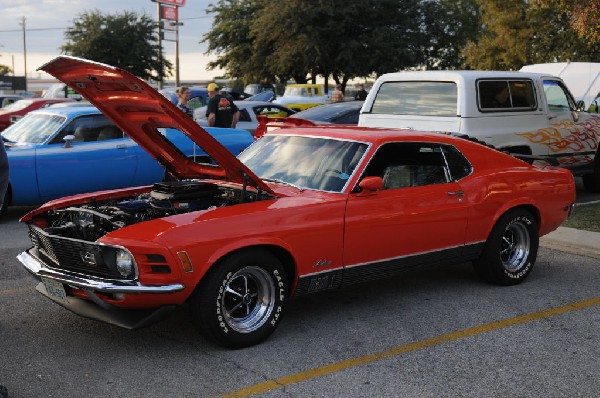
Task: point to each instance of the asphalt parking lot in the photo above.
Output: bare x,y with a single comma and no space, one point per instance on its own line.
436,331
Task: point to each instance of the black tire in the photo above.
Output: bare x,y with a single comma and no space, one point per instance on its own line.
240,301
5,202
510,250
591,182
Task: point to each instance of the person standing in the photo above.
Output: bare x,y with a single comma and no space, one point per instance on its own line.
361,94
220,111
3,173
183,96
337,95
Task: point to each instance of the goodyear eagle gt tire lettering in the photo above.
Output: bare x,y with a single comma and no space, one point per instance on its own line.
510,250
240,301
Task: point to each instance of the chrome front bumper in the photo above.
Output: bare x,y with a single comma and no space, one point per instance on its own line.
39,270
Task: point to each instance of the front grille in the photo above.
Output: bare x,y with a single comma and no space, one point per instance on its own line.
74,255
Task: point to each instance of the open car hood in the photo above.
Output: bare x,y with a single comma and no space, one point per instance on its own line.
139,110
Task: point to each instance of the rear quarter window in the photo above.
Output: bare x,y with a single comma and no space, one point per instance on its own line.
416,98
506,95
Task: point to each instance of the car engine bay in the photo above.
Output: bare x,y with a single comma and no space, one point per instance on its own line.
92,220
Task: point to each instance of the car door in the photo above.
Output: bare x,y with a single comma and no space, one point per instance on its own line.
92,162
571,136
419,215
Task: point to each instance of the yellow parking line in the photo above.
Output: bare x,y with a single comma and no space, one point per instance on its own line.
23,289
399,350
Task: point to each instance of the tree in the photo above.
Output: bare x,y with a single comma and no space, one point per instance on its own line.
519,32
231,40
125,40
300,39
449,25
554,38
503,43
584,16
4,70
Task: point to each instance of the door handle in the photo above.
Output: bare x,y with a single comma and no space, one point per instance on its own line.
121,146
460,194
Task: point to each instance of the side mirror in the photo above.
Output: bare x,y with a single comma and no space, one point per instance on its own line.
370,185
580,106
68,139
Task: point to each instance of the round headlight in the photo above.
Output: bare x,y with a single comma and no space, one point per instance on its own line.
124,263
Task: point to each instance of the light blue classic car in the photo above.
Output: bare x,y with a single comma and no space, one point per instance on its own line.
58,152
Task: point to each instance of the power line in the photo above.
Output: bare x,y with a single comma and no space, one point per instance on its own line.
45,29
30,29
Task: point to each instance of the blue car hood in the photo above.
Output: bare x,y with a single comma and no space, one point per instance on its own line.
140,110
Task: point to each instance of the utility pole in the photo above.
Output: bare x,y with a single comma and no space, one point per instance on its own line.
177,55
160,58
22,23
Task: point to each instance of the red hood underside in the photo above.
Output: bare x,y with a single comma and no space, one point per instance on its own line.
139,111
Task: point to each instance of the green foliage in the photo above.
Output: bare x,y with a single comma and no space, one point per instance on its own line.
125,40
449,25
520,32
260,40
274,41
4,70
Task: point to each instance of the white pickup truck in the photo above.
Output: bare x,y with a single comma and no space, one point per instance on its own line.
530,115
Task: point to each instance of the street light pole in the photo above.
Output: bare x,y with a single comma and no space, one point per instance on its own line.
160,57
22,23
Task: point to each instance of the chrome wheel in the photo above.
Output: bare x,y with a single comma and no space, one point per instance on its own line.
248,299
515,246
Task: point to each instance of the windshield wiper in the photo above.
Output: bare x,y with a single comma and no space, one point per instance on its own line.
278,181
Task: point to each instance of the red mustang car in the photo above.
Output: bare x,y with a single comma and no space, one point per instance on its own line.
20,108
302,210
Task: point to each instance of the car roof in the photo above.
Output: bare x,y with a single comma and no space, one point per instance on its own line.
68,111
464,76
368,134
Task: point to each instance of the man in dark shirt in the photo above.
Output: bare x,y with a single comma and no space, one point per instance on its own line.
361,94
220,111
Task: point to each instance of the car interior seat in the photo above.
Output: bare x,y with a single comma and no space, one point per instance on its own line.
109,133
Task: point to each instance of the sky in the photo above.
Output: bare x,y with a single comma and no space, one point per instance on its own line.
47,20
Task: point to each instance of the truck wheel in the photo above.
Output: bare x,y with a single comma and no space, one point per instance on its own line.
240,301
510,250
591,182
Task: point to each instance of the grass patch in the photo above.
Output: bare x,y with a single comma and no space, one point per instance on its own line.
586,217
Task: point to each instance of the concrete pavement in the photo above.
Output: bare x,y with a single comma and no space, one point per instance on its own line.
571,240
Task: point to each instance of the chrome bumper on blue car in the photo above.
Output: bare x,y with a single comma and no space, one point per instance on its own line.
37,268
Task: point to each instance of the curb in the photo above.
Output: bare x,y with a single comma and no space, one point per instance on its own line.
575,241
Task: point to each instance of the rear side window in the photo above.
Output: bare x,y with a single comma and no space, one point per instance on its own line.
416,98
506,95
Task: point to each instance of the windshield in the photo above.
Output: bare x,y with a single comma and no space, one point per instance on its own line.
17,106
33,128
307,162
295,91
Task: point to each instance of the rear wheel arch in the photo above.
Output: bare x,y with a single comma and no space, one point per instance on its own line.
535,212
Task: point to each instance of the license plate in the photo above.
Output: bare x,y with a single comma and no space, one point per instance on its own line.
55,290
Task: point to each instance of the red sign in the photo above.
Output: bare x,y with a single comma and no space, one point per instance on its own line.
169,13
176,3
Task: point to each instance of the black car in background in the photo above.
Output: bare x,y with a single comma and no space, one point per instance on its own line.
335,113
